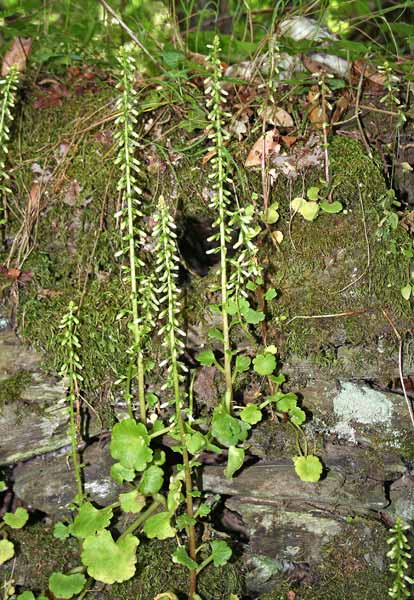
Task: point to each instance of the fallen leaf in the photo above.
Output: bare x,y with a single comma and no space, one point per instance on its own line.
277,236
13,274
341,106
317,115
277,116
208,156
33,202
17,55
265,147
291,595
375,79
52,96
289,140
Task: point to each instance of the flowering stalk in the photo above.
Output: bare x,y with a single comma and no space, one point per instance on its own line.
127,140
70,369
221,199
8,87
399,555
167,267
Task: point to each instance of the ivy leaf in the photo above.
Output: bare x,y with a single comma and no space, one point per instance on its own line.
195,442
406,291
221,552
110,561
121,474
331,208
206,358
270,294
130,443
26,596
132,502
228,430
61,531
242,363
18,519
181,557
287,402
308,468
251,414
6,551
158,526
90,520
66,586
235,460
264,364
313,193
151,481
297,415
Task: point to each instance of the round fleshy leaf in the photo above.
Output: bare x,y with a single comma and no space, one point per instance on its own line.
271,216
159,526
312,193
221,552
90,520
18,519
121,474
6,551
297,203
235,460
132,502
195,442
308,468
27,595
286,402
264,364
406,291
166,596
151,481
129,445
110,561
3,486
228,430
251,414
66,586
181,557
242,363
297,415
309,210
206,358
331,208
61,531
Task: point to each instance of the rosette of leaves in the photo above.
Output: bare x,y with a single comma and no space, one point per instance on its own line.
8,88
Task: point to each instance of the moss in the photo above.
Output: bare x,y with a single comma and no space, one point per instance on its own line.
12,387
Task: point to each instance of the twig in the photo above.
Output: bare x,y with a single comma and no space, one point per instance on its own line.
357,113
130,33
400,365
349,313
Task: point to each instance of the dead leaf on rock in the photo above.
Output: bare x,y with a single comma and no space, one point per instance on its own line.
266,146
17,55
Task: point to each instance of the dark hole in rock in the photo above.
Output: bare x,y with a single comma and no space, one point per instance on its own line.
193,245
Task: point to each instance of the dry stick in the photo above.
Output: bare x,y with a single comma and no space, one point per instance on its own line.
130,33
400,365
349,313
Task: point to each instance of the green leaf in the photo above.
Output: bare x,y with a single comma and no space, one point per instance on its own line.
129,445
270,294
216,334
151,481
66,586
3,486
195,442
309,210
235,461
228,430
203,510
297,415
264,364
121,474
89,520
110,561
184,521
286,402
253,317
242,363
308,468
18,519
61,531
406,291
221,552
297,203
158,526
271,216
251,414
206,358
26,596
232,307
180,557
6,551
331,208
132,502
313,193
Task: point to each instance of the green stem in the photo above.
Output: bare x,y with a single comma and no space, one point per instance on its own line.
141,519
205,562
160,432
132,259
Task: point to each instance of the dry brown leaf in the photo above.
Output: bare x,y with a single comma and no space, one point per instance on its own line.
52,96
17,55
374,78
277,236
15,274
291,595
33,202
267,145
277,116
289,140
317,115
208,156
341,106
